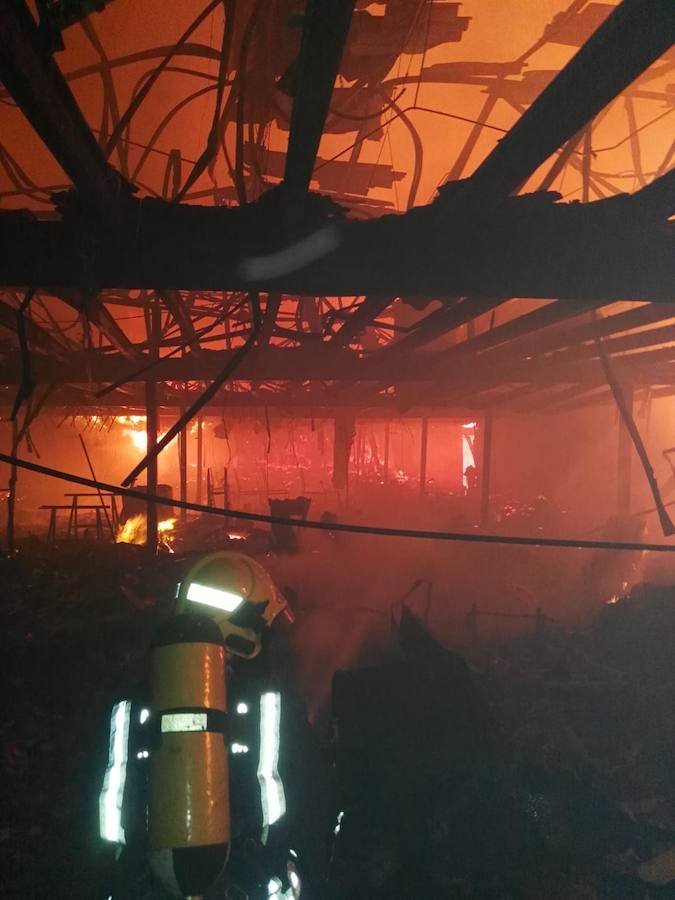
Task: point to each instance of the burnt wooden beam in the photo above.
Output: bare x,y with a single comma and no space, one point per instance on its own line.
649,366
538,332
36,83
266,364
435,325
632,37
557,338
324,33
605,250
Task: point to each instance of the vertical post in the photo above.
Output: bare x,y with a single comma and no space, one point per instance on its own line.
423,455
151,426
358,455
11,498
200,456
485,466
226,494
386,452
151,441
624,458
182,467
343,440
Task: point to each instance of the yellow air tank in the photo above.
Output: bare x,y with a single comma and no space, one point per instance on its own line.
188,801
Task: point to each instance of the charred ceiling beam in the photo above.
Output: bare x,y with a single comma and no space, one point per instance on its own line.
501,336
530,336
241,404
274,364
535,343
633,36
324,34
436,324
36,83
647,366
532,247
268,364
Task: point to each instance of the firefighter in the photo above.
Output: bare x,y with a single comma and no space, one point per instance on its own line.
193,791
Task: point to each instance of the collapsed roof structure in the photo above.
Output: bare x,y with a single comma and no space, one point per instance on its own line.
225,206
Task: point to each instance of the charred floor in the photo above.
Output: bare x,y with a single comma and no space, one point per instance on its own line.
337,348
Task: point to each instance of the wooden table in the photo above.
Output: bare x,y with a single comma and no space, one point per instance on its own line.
73,523
75,505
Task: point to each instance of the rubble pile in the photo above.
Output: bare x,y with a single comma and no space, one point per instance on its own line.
587,720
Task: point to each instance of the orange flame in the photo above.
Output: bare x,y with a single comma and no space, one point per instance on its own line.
135,530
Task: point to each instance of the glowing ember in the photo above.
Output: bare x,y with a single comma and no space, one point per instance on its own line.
135,530
236,536
166,526
138,438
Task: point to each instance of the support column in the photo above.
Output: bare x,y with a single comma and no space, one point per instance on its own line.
424,439
485,470
386,452
342,446
182,466
11,498
200,457
151,426
624,460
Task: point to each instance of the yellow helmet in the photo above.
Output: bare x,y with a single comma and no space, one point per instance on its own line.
237,593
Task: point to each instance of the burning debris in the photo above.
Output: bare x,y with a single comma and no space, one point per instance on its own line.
135,531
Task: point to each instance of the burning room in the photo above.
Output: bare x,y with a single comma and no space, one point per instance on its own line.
337,449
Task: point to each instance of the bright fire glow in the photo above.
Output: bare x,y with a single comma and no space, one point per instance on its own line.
138,438
135,430
135,530
166,525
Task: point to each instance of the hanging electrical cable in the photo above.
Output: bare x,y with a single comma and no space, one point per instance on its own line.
472,537
211,147
140,97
